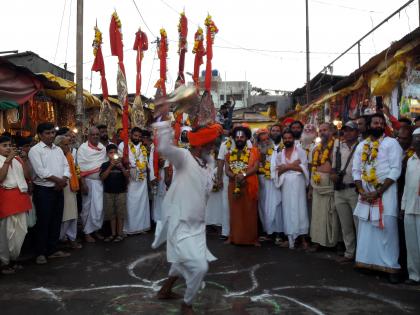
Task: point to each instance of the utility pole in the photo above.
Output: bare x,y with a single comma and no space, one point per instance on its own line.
308,72
79,71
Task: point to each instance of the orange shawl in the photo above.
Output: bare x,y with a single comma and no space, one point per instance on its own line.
74,181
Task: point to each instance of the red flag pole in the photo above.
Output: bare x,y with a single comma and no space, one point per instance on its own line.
199,52
162,54
182,46
211,31
115,36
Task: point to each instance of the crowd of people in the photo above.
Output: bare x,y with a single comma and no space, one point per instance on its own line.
295,185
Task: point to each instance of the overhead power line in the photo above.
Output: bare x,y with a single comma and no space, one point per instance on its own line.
141,16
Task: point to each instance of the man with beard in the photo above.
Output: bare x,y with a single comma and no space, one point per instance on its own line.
376,168
362,125
103,135
183,217
345,195
138,211
296,128
292,176
242,166
269,199
90,156
324,225
411,209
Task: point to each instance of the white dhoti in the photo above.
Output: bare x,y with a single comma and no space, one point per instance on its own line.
378,248
158,198
295,210
412,239
226,209
214,209
13,230
92,206
138,208
69,225
272,218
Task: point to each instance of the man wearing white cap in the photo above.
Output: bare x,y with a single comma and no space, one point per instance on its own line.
411,207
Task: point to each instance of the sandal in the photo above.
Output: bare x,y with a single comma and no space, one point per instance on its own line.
59,254
119,238
109,239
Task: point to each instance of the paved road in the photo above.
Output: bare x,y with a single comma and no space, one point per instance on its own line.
123,278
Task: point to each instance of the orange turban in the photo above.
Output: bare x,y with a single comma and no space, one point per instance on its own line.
205,135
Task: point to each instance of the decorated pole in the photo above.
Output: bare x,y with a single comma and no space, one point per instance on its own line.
211,31
199,52
106,114
162,54
182,46
115,37
141,44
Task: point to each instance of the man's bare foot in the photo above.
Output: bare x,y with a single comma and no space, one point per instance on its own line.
187,309
168,295
165,292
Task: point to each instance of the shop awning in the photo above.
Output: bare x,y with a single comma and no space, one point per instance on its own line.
68,92
5,105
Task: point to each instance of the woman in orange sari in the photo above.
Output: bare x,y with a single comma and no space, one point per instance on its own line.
242,169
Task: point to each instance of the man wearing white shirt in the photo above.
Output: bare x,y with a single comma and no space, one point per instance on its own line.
51,175
411,207
376,168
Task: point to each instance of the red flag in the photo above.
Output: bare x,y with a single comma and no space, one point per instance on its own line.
115,37
199,52
182,48
162,54
98,63
140,44
211,32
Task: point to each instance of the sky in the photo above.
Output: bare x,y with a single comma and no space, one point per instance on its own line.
259,41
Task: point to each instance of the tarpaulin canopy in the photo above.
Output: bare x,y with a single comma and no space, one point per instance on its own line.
5,105
68,92
17,84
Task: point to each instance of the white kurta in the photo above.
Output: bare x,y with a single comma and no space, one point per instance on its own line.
138,208
377,247
183,212
293,189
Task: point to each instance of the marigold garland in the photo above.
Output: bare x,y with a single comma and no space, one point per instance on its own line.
97,42
266,168
324,157
369,156
140,165
117,19
238,163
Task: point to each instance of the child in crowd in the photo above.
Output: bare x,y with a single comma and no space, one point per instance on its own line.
115,178
14,203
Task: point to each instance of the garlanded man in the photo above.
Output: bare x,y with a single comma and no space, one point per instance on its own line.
90,156
345,195
138,207
376,168
411,207
324,225
183,217
292,176
242,167
269,199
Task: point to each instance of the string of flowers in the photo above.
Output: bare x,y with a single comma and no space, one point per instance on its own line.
317,161
369,156
238,163
97,41
141,165
265,169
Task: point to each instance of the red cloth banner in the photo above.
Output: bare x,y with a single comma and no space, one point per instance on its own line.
182,49
212,30
162,54
141,44
98,63
199,52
